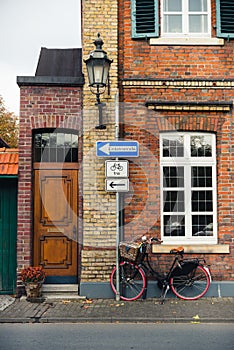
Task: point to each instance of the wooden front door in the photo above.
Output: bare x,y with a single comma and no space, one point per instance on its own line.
55,223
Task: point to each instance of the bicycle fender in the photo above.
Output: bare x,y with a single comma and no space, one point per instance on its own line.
208,271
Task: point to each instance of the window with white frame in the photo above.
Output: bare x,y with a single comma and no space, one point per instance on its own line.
188,187
186,18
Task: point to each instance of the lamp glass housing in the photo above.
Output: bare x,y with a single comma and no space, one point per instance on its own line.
98,69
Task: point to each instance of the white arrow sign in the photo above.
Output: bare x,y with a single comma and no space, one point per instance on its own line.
120,185
117,149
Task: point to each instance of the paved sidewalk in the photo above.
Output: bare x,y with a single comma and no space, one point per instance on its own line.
206,310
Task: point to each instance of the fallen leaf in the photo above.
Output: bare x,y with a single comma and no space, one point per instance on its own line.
89,301
66,301
196,317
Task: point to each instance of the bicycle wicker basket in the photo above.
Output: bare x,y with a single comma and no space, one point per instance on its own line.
129,251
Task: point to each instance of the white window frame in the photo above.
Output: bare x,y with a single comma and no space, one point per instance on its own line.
185,23
187,161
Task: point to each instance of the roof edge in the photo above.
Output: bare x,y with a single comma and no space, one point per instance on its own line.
50,81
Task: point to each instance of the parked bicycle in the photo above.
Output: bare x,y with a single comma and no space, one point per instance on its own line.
188,279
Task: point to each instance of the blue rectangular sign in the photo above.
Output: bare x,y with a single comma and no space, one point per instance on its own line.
117,148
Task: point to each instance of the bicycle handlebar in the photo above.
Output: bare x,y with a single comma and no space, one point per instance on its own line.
151,239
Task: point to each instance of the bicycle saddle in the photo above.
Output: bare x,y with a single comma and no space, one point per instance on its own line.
179,250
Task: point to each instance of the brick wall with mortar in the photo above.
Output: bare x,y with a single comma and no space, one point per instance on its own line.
99,216
180,74
40,107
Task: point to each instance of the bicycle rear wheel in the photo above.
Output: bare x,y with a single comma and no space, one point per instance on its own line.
132,281
192,286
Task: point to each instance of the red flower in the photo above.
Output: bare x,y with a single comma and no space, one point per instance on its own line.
33,274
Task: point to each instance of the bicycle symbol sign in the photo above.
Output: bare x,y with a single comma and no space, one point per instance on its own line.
118,168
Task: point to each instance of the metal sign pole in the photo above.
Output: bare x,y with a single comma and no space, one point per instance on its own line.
117,200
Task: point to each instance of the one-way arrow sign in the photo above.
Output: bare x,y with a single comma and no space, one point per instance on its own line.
117,149
120,185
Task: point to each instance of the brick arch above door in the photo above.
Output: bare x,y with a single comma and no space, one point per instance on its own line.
55,121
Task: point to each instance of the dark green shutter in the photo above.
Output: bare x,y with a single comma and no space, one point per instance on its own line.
225,18
144,18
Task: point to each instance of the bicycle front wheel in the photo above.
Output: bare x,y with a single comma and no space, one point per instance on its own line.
132,281
192,286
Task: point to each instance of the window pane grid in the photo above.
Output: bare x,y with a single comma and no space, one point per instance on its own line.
173,176
202,225
173,201
188,188
55,147
201,176
186,17
202,201
174,225
173,147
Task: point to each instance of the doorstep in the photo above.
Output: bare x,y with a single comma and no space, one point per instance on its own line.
61,291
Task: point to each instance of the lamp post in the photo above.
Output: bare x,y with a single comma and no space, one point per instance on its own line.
98,66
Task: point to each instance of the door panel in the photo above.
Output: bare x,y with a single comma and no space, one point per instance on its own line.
55,221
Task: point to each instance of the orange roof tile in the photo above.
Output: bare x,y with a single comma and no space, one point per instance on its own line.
9,161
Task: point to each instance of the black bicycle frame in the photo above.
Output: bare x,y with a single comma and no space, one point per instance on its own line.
161,278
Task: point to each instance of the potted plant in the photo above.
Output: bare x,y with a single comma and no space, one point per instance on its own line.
33,278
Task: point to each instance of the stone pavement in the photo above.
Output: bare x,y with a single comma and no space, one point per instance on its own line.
205,310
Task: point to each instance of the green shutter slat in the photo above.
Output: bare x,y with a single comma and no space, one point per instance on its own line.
144,18
225,18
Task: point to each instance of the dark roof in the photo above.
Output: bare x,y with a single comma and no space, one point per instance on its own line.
60,67
59,63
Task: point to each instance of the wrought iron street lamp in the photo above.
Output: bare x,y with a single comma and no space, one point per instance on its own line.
98,66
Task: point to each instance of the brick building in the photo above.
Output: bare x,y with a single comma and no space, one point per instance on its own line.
175,81
50,156
172,74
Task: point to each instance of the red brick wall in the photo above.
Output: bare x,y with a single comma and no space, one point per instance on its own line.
207,65
40,107
138,59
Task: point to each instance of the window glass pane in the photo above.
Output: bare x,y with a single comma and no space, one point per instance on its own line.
201,176
68,155
60,140
45,141
53,138
198,24
173,147
201,146
174,225
68,140
37,148
37,141
202,225
173,201
202,201
198,5
173,24
74,141
173,176
172,5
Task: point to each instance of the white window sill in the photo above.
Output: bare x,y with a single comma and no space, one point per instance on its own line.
195,248
186,41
